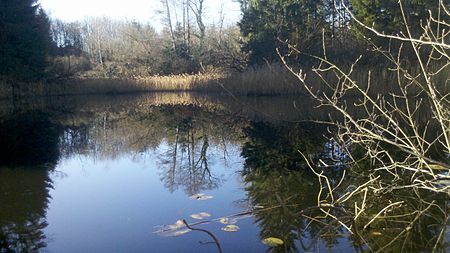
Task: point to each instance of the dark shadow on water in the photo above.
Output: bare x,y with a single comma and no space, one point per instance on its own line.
29,139
29,150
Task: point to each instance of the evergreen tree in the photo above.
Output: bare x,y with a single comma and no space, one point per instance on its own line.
24,39
267,24
386,16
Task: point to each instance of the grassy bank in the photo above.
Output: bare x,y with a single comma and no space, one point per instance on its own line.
268,80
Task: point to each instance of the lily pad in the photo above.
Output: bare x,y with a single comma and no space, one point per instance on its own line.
230,228
201,196
200,216
272,241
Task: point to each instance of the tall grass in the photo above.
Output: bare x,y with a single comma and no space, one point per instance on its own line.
267,80
195,82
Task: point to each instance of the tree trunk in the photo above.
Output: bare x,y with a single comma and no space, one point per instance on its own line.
169,23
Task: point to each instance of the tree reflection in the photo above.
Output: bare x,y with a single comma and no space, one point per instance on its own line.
29,139
186,163
189,137
24,201
278,179
28,149
418,223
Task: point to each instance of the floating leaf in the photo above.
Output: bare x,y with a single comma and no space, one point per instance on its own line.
228,221
232,221
223,221
180,232
178,224
200,216
272,242
196,216
177,229
230,228
201,196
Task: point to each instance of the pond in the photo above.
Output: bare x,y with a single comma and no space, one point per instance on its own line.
121,173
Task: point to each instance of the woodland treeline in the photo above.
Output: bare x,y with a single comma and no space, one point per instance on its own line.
32,46
112,48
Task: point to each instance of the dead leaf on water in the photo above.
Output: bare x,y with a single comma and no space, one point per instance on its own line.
200,216
230,228
178,224
201,196
272,241
228,221
181,232
177,229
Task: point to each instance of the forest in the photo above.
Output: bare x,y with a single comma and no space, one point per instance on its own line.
38,50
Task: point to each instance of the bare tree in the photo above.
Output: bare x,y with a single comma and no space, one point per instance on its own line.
197,8
186,24
169,23
221,21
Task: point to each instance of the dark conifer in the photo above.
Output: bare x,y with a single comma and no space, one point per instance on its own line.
24,39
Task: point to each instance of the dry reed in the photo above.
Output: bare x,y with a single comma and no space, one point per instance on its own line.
272,79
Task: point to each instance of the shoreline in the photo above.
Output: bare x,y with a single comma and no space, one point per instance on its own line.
270,81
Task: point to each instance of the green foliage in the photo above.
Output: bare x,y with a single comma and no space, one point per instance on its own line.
309,25
266,25
386,16
24,39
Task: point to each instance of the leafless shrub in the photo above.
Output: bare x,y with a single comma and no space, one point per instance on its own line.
400,150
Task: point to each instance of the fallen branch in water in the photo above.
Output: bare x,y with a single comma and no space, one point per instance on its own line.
206,231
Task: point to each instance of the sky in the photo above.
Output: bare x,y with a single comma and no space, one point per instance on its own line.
144,11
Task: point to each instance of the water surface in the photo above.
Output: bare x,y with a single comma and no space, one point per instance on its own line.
104,174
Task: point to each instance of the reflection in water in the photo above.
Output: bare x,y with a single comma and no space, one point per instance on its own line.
417,224
24,200
185,139
188,142
29,139
186,162
29,148
278,179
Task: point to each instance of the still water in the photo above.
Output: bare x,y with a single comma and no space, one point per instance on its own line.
118,174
